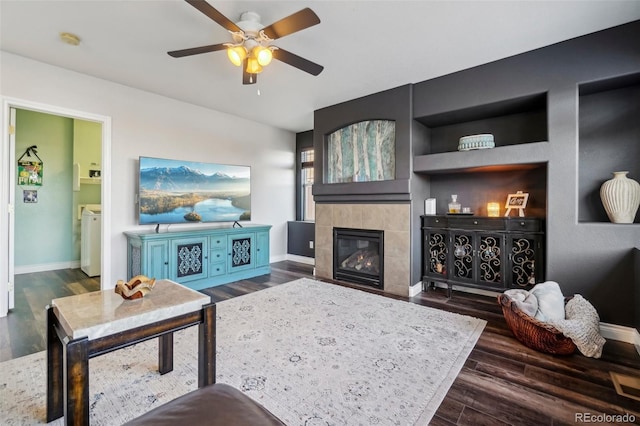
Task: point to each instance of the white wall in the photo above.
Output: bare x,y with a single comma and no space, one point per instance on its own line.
150,125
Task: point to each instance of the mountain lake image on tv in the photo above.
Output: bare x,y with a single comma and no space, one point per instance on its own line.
176,191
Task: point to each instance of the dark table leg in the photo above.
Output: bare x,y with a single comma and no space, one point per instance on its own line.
165,355
207,346
55,408
76,366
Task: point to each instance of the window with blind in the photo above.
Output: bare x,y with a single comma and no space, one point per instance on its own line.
308,206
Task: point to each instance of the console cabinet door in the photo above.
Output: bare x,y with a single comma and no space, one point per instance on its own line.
478,258
241,252
462,258
156,260
189,259
490,258
436,254
262,249
525,260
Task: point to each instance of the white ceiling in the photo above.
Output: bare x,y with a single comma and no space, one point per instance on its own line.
365,46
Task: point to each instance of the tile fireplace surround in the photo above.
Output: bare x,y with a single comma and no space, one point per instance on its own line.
393,219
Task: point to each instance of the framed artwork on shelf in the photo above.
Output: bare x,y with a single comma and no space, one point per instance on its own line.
517,201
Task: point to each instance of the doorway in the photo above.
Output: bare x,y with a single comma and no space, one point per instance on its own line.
15,194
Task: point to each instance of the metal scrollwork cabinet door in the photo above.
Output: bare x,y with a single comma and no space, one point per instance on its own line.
525,260
478,258
490,259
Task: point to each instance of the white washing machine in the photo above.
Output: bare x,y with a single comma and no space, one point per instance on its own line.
90,241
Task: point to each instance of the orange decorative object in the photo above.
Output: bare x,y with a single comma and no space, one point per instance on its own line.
135,288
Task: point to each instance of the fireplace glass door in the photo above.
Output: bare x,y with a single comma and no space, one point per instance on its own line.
358,256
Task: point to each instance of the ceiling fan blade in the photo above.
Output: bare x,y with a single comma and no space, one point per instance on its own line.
248,78
197,50
298,21
297,61
213,14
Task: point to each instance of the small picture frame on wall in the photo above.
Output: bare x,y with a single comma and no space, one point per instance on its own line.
30,196
517,201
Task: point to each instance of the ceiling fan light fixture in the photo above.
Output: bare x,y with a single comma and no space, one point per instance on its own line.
237,54
251,47
253,67
263,55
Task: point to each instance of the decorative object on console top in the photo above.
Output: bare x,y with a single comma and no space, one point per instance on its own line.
517,201
454,205
456,209
481,141
493,209
136,288
430,206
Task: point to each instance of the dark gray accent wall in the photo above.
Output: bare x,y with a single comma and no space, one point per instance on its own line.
420,187
299,235
393,104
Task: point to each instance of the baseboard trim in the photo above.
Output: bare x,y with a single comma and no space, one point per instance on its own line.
278,258
415,289
621,333
27,269
301,259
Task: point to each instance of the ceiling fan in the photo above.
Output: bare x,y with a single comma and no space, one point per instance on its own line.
251,47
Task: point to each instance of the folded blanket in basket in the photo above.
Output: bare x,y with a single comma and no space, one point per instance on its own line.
544,301
582,326
526,302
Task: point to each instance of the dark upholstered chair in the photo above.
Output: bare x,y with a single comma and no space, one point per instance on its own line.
217,404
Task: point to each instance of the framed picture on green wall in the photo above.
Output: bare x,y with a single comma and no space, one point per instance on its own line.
30,196
30,173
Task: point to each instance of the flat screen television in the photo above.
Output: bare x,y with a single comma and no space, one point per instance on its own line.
177,191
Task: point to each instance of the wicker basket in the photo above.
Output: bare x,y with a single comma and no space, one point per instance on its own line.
534,333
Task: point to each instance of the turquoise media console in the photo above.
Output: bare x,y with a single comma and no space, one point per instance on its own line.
200,258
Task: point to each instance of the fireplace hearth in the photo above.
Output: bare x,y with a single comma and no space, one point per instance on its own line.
358,256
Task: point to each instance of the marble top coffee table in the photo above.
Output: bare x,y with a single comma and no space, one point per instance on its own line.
87,325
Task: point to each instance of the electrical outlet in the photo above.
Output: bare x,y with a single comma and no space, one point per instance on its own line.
310,244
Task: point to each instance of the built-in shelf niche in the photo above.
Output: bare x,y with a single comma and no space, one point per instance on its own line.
609,139
512,122
491,185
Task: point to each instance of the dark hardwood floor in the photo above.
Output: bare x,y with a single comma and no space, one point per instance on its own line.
501,383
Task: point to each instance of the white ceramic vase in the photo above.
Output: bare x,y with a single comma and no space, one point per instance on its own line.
620,197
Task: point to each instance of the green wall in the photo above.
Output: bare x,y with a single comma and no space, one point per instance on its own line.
87,151
48,232
43,230
87,145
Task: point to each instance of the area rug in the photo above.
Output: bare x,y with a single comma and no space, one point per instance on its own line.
312,353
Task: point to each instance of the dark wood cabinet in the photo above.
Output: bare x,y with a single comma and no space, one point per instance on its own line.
482,252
